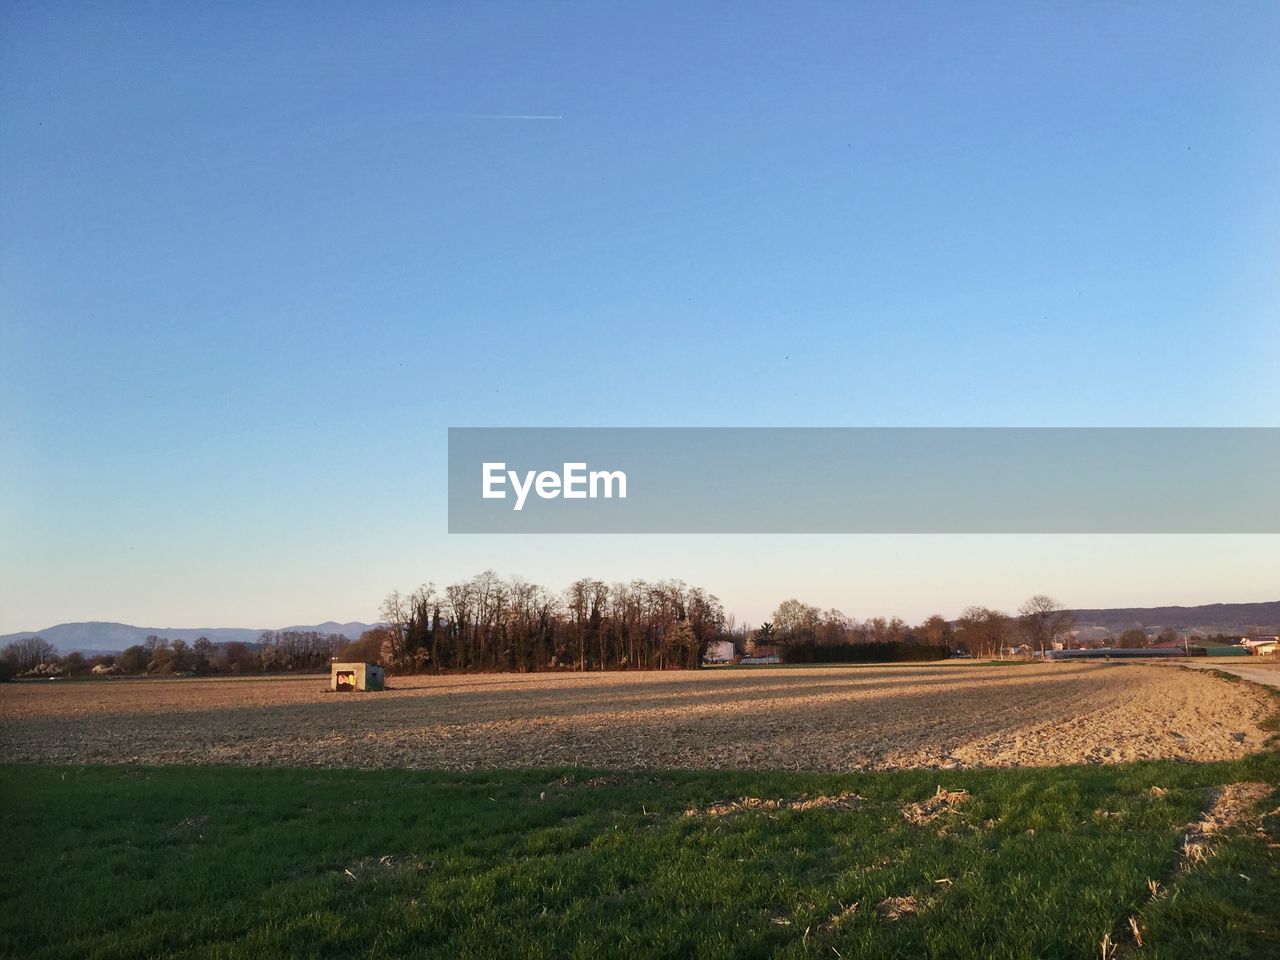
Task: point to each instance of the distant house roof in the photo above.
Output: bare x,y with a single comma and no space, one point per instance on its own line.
1257,645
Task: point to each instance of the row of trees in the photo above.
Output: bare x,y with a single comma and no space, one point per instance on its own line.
274,652
1137,637
796,624
1040,624
491,623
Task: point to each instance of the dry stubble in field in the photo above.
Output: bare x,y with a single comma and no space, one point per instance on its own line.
819,718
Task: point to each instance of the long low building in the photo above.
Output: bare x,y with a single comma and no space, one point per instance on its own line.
1105,653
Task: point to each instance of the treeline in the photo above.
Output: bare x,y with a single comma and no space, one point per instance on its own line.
491,623
275,652
795,624
801,630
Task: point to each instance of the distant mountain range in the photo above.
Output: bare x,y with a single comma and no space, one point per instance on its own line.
99,637
1228,618
1210,618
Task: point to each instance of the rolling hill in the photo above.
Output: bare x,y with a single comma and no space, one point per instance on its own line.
101,637
1210,618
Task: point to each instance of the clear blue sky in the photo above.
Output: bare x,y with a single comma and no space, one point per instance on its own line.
256,258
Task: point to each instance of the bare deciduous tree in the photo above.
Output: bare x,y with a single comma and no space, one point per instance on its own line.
984,632
795,623
28,653
1044,622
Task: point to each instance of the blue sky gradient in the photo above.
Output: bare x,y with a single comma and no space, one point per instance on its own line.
257,258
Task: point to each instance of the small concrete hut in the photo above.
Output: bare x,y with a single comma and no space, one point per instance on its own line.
350,677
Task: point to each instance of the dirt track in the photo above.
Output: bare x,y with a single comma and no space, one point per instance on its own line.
1263,670
820,718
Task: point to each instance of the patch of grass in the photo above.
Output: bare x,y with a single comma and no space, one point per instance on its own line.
1226,907
1271,724
852,665
210,862
1223,675
1001,663
961,661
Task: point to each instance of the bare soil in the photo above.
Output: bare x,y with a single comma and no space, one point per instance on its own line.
819,718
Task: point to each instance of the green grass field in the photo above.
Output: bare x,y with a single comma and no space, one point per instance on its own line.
261,863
